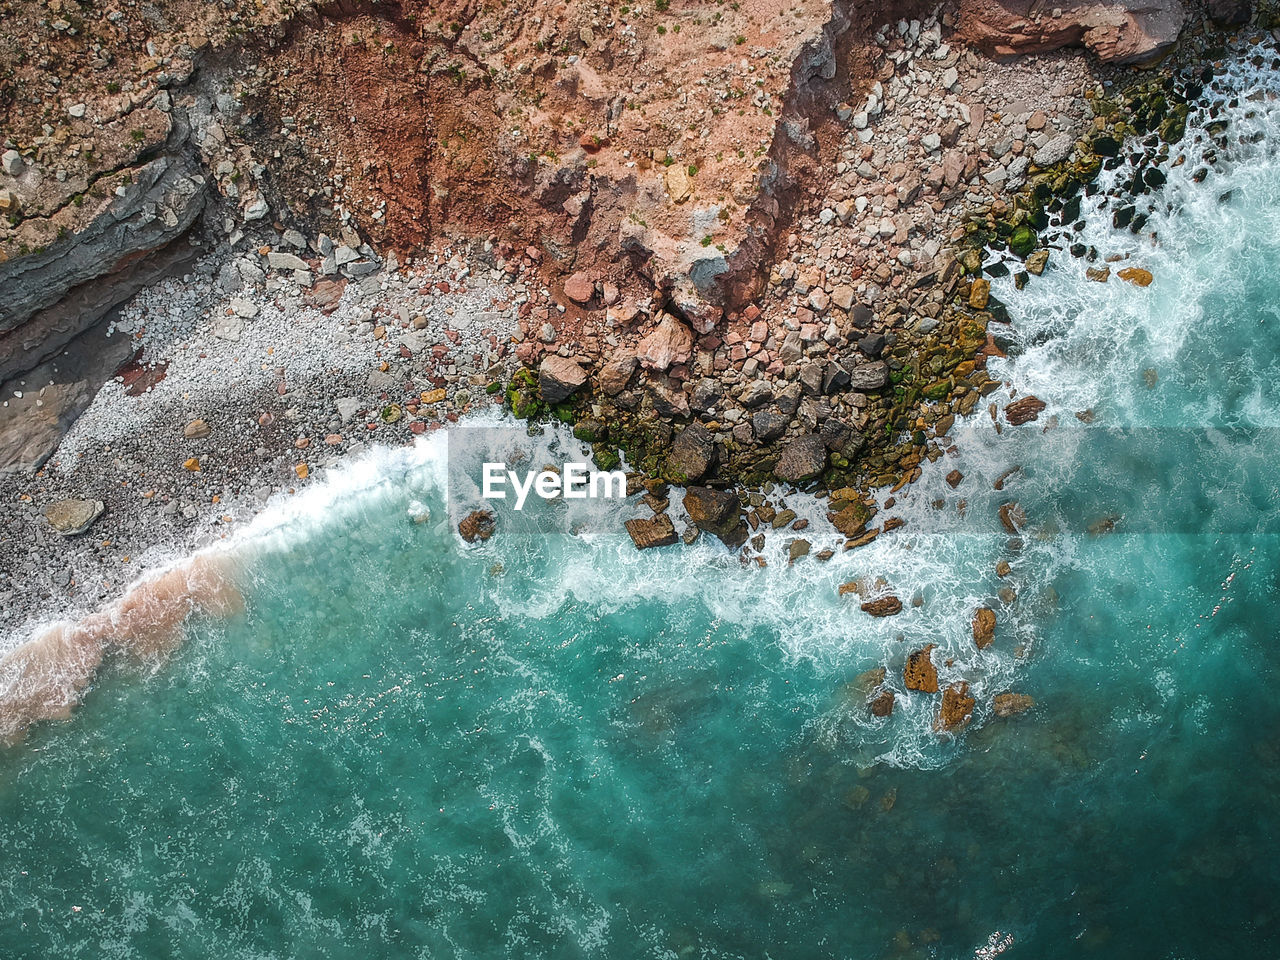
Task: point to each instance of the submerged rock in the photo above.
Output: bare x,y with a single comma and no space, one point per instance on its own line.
1008,704
71,517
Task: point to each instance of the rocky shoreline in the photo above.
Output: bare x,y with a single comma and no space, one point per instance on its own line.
249,374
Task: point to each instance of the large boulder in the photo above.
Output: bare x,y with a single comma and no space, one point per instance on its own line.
616,374
956,708
718,512
670,343
693,455
919,672
559,378
803,459
655,531
477,525
72,517
984,627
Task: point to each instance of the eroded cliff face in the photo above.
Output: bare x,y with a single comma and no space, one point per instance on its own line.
628,152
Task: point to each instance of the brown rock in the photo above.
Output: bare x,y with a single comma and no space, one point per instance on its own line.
693,455
980,294
883,606
579,288
1007,704
1012,517
1003,569
72,517
671,342
616,374
956,708
1023,410
192,464
919,672
717,512
954,478
984,627
804,458
559,378
477,525
1137,276
1118,31
655,531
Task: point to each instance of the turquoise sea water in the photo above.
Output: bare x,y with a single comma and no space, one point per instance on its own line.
553,746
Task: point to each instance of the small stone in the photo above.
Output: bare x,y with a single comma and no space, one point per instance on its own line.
1036,262
302,470
286,261
954,478
12,163
192,464
196,430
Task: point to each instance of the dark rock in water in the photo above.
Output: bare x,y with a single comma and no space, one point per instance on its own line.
477,525
1122,217
1139,222
984,627
1008,704
882,704
70,518
693,455
1106,147
718,512
769,424
865,684
919,672
1024,410
655,531
956,708
804,458
1200,175
1154,177
953,478
997,269
883,606
1071,210
1078,250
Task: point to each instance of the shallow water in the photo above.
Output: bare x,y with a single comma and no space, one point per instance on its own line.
553,746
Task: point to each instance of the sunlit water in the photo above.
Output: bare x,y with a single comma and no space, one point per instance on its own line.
554,746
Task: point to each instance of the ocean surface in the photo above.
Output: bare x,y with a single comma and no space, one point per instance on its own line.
552,746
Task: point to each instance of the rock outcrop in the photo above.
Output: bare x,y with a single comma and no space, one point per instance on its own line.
718,512
1127,31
